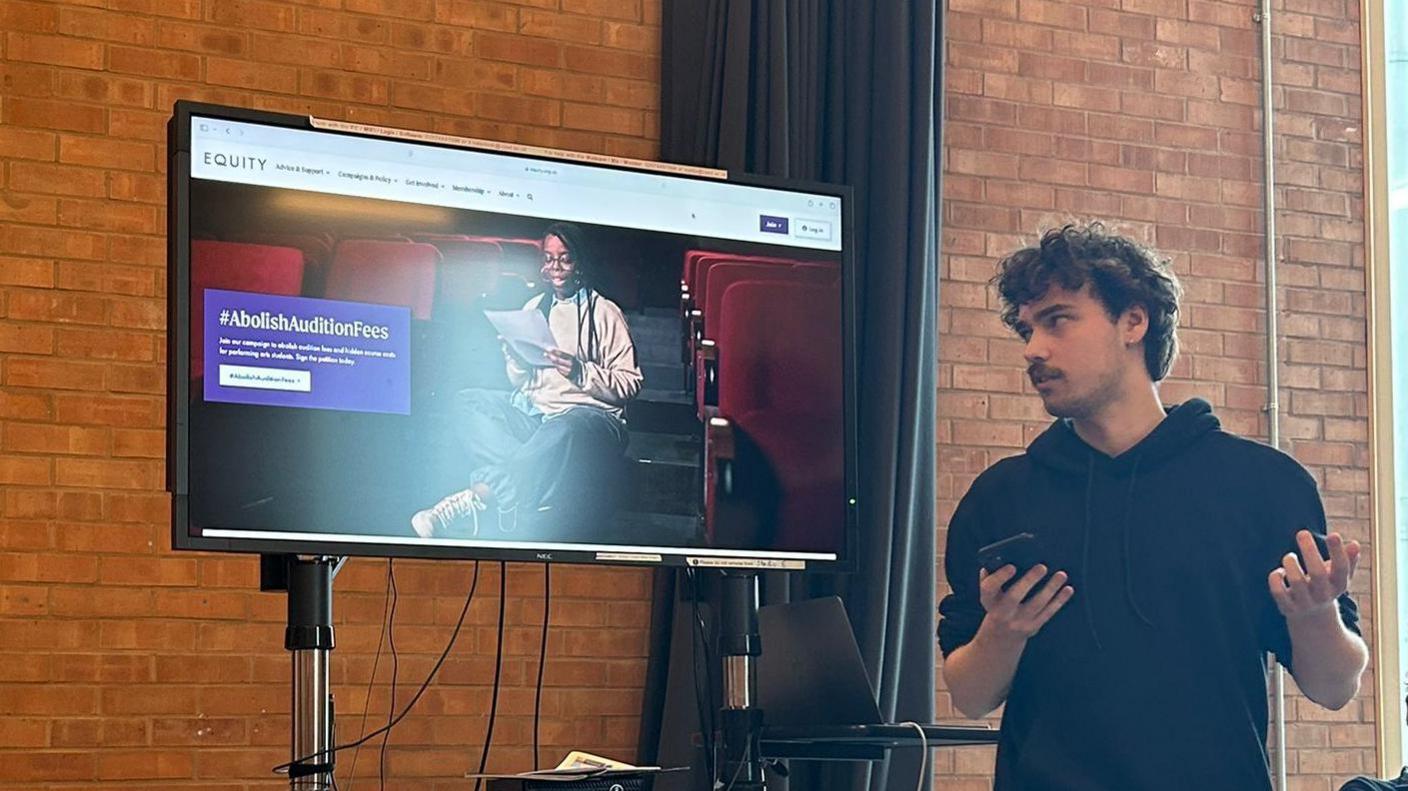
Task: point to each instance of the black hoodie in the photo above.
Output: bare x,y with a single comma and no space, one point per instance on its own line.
1153,675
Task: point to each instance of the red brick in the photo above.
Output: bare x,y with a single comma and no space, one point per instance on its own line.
137,187
32,438
1121,180
137,124
1186,83
27,79
260,14
54,50
57,374
963,27
29,209
613,63
1168,108
600,119
1022,89
104,88
478,16
1052,67
562,27
29,16
518,49
1060,121
981,110
336,85
239,73
90,409
624,93
109,216
106,153
1156,55
28,144
1118,76
516,109
1017,35
107,474
401,9
46,114
1131,27
150,63
1121,128
1316,52
1220,114
1047,12
636,38
1191,34
1092,46
202,731
629,10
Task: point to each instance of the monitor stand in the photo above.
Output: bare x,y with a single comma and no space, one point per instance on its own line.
740,645
309,638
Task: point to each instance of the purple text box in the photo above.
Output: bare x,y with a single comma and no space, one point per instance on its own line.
302,352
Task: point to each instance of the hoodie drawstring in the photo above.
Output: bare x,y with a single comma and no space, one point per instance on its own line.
1085,553
1129,558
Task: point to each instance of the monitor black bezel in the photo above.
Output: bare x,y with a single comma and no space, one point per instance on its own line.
178,367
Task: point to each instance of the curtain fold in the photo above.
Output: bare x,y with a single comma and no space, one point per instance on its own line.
840,91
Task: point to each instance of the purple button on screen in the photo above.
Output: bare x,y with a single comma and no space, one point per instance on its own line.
769,224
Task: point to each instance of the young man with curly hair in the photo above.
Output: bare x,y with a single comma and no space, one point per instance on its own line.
1174,556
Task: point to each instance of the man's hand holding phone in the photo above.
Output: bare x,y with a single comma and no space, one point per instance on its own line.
1018,599
1015,590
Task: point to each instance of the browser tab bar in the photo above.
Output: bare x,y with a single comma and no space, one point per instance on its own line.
420,173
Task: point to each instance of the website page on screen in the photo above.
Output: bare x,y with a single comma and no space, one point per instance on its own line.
400,343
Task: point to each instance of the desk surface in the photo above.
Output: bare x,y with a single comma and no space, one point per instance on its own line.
865,742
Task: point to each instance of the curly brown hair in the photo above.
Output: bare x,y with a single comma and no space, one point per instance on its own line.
1119,271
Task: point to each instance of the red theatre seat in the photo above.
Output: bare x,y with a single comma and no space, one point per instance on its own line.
236,266
387,273
468,269
693,292
721,277
317,253
522,257
780,388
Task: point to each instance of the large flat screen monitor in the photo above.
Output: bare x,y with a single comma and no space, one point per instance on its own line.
403,344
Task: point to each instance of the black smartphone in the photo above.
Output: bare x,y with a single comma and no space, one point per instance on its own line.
1020,550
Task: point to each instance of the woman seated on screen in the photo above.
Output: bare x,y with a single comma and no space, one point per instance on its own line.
549,446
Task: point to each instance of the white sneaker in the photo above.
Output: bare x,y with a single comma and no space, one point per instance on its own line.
439,518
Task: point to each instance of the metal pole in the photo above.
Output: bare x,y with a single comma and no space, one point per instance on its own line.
309,638
740,645
1273,408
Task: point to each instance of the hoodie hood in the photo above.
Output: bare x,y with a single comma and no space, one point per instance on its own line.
1060,448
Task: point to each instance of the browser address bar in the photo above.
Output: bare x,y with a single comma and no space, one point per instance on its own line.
279,158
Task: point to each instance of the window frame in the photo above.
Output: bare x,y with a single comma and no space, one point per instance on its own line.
1384,581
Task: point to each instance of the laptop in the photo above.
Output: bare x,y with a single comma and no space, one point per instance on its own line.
812,682
811,671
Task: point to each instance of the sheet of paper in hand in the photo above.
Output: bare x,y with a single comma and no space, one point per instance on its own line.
526,332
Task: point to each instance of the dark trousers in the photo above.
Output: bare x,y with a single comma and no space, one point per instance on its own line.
534,462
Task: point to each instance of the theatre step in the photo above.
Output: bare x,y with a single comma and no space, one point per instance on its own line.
664,473
671,530
663,412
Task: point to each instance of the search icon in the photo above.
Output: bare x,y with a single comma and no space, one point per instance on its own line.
530,196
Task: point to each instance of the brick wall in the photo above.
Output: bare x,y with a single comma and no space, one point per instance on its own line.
124,664
1146,113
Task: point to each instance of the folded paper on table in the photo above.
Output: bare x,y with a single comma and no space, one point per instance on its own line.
580,765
